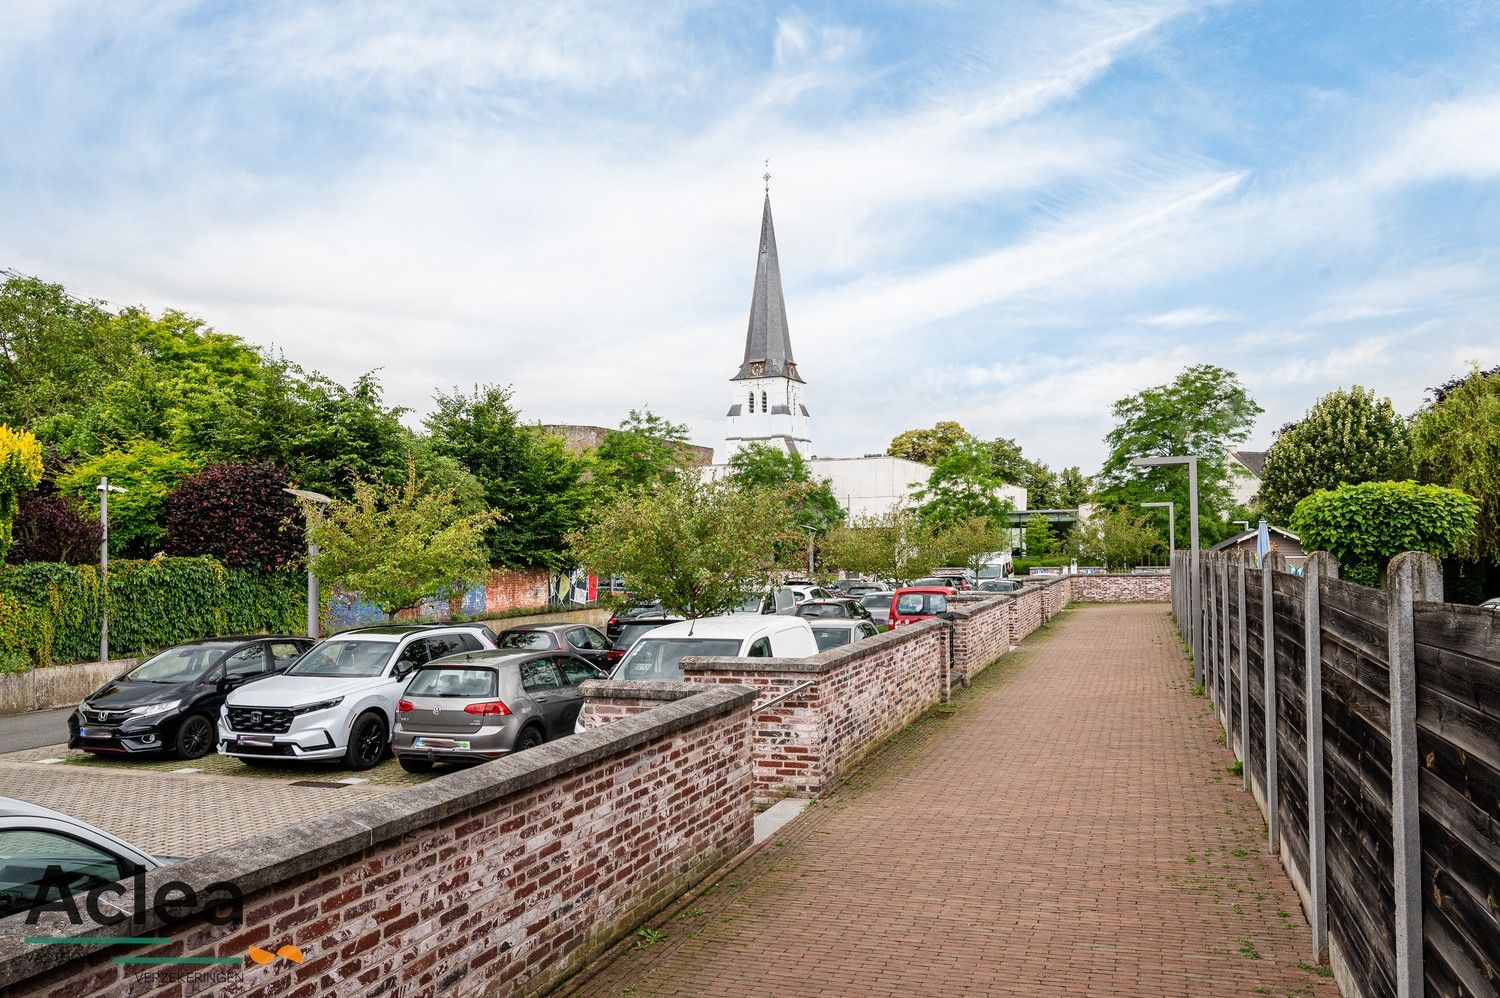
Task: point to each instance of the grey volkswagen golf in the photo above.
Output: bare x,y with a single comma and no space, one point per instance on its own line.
482,705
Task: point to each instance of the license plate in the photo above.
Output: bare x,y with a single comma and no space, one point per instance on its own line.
91,733
439,743
258,740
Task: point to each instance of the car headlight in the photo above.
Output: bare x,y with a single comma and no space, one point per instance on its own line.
309,708
154,708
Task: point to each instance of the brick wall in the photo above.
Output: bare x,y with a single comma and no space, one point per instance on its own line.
981,633
501,878
1122,588
502,591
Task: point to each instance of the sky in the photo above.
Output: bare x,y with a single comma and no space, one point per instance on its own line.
1009,214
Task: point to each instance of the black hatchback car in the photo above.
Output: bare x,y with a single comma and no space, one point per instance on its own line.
579,639
170,702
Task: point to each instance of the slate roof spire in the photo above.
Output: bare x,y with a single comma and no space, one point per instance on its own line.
768,344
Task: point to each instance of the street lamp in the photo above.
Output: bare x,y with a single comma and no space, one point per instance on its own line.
104,489
1171,522
312,512
1195,597
1242,523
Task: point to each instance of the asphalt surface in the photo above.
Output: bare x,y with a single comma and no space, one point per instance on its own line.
19,732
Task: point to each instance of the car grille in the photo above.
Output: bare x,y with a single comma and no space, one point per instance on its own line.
104,716
261,720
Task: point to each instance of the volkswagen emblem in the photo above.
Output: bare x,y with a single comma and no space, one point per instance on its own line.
255,717
438,709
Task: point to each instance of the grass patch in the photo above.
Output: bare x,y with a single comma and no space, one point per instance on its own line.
1248,950
646,937
1313,968
1236,767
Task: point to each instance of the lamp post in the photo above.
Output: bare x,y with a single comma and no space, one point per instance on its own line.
104,489
812,532
1241,523
1194,585
312,512
1171,522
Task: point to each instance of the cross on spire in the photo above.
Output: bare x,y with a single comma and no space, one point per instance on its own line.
767,176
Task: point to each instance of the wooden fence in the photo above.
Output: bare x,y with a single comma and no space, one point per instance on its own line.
1368,725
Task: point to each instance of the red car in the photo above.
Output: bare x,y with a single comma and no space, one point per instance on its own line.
916,603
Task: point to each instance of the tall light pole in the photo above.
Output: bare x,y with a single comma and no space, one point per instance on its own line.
811,533
1242,523
1194,586
104,489
312,513
1171,523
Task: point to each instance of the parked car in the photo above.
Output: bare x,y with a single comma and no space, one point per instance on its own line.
634,629
170,702
804,591
1000,586
483,705
658,656
837,633
914,603
1491,604
954,582
40,847
635,612
338,701
865,588
879,607
580,639
833,608
779,600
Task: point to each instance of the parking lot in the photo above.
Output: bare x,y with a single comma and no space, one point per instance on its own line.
182,809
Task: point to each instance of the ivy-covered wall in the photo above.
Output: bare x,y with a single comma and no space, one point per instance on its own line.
49,613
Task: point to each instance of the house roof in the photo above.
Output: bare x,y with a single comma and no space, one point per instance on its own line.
768,344
1250,535
1253,461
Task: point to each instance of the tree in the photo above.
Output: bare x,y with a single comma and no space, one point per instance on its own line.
1203,411
50,528
1008,464
645,450
1116,539
1037,538
1346,438
396,545
530,478
771,469
894,545
967,543
962,486
1456,442
20,469
239,514
927,446
697,546
1073,489
1366,525
147,471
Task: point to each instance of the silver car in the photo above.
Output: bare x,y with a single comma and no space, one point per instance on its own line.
483,705
837,633
45,852
879,605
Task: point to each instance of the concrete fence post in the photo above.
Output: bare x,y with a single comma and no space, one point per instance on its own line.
1411,577
1319,565
1226,655
1271,563
1210,632
1244,643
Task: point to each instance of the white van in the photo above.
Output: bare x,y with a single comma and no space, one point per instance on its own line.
658,656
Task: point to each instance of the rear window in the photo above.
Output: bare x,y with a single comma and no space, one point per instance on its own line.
529,640
831,610
916,604
659,660
832,637
878,600
452,682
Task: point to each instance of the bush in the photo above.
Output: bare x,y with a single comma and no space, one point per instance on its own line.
50,528
237,513
152,604
148,471
1364,526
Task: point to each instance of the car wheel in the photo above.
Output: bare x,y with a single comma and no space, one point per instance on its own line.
415,765
367,742
529,738
195,737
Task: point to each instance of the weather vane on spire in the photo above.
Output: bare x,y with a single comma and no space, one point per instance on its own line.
767,176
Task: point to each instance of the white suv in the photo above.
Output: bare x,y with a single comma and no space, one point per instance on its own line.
339,699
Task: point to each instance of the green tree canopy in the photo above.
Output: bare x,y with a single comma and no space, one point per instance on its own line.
396,545
1037,539
968,543
644,451
148,471
1366,525
927,446
1456,442
699,547
963,485
894,545
1116,539
767,468
1347,437
530,478
1203,411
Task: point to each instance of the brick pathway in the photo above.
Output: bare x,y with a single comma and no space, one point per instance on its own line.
1069,828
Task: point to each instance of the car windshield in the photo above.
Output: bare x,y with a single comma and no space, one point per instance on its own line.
916,604
876,601
345,659
832,637
466,682
750,604
525,639
831,610
659,660
177,665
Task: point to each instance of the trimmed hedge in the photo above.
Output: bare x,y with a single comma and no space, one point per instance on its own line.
49,613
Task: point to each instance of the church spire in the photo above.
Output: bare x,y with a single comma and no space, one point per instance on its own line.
768,345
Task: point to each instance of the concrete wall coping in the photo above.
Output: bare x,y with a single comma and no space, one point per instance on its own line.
255,865
625,689
829,661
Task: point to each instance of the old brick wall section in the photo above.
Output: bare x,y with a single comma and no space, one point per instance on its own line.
1122,588
981,634
491,880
